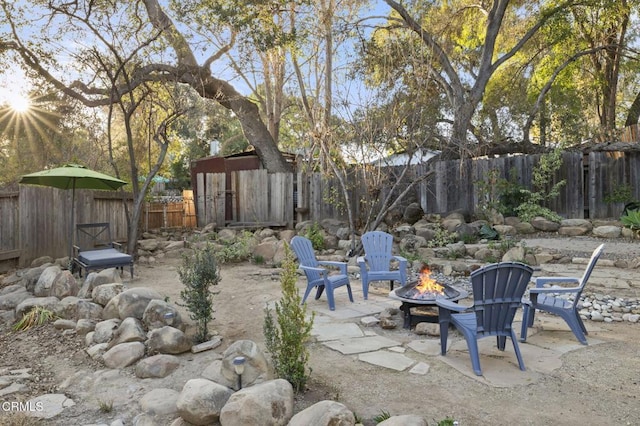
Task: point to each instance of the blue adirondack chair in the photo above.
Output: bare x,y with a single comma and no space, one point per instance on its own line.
316,275
497,294
560,301
376,263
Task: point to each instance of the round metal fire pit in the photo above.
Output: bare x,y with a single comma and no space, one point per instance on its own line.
412,298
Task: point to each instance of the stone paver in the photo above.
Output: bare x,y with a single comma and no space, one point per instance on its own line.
360,345
387,359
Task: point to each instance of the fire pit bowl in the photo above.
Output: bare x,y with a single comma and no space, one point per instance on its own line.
421,294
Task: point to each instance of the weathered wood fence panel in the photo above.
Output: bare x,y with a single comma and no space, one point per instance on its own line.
608,172
252,197
251,189
45,218
464,184
281,205
9,231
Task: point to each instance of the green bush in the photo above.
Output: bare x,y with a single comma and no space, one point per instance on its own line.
631,220
543,191
287,333
237,250
442,237
199,271
315,235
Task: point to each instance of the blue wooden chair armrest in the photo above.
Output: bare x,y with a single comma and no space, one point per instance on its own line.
540,281
554,290
449,305
341,265
311,268
399,258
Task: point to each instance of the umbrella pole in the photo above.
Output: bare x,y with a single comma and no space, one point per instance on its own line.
73,202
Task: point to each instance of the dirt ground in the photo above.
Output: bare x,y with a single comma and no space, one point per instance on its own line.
596,385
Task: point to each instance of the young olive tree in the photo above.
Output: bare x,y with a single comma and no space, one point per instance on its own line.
199,272
287,333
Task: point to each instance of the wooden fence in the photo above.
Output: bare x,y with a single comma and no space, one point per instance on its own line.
170,214
251,198
590,181
35,221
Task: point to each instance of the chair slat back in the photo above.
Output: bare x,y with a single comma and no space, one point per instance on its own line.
592,263
497,293
587,273
378,246
90,236
303,249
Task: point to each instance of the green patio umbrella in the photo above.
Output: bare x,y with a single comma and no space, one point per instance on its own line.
72,176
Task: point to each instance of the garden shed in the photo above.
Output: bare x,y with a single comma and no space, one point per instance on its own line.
230,191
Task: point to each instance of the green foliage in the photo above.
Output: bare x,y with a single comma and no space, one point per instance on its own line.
447,421
258,259
631,220
384,415
315,235
543,175
496,194
105,406
442,237
287,332
237,250
37,316
620,194
199,271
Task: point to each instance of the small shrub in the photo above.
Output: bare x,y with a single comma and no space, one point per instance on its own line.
543,191
315,235
384,415
105,406
448,421
20,418
258,259
37,316
631,220
442,237
287,333
198,273
237,250
620,194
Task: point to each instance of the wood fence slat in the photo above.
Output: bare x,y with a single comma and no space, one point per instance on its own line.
200,202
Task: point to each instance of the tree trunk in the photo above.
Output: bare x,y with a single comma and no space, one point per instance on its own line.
634,112
200,78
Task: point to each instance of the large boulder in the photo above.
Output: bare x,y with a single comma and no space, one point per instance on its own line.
268,403
64,285
11,299
131,303
324,413
159,402
45,281
201,401
104,330
103,293
95,279
129,330
123,355
156,366
257,368
160,313
50,303
167,340
412,213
